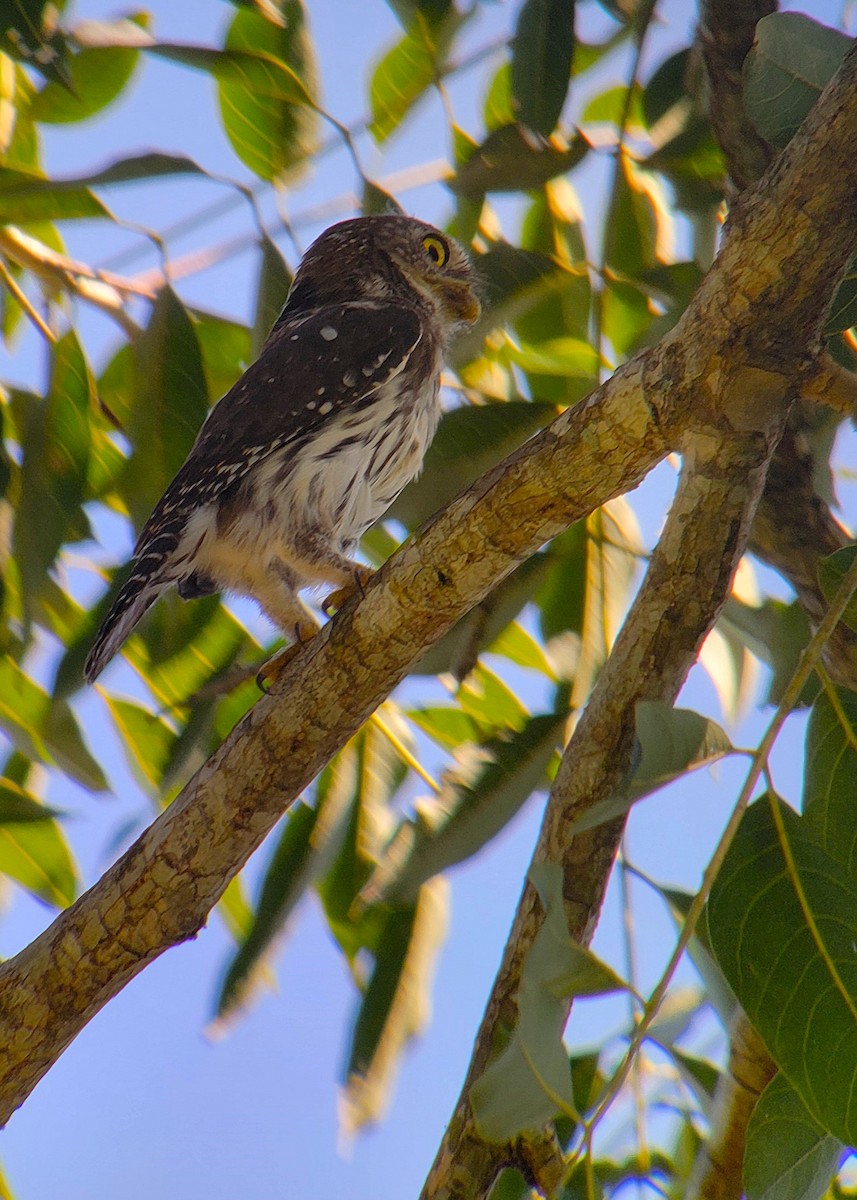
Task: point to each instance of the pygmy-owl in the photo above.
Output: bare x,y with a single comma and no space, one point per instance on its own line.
317,437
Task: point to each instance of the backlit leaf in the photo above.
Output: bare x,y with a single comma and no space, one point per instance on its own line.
273,135
671,742
479,795
170,403
515,158
395,1005
783,922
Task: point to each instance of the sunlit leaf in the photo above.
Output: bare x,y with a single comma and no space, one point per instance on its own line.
35,855
98,77
479,795
272,135
404,74
146,737
395,1005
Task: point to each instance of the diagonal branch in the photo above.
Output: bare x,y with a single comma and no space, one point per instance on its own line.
794,527
161,891
746,340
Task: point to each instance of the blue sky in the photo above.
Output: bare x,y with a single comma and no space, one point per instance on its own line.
142,1104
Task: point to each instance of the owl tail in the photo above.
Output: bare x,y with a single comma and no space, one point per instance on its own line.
138,593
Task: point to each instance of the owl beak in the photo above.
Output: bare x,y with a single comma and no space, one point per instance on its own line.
461,302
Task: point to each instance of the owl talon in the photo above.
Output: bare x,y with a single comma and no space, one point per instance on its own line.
336,599
270,671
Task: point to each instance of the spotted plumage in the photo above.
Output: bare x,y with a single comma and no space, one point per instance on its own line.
318,436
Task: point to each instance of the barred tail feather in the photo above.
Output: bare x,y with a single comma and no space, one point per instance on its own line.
138,594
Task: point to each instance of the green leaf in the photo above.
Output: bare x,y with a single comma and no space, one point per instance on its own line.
515,158
831,572
411,65
170,404
226,350
671,742
35,855
284,883
830,773
275,279
364,777
542,53
98,77
54,468
17,805
776,633
396,1002
479,796
469,441
791,61
782,917
44,731
147,739
788,1155
530,1082
274,135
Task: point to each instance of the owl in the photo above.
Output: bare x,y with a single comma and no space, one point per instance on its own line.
318,436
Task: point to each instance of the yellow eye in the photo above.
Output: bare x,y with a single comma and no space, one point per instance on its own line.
437,250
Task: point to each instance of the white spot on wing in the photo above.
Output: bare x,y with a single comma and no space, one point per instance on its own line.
328,333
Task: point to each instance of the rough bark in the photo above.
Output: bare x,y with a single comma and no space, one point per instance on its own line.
161,891
715,389
738,355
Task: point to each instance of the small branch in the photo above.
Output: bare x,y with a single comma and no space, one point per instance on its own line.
725,32
832,385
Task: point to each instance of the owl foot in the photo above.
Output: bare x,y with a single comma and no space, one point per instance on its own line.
336,599
270,671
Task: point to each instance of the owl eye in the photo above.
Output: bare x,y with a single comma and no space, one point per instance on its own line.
437,250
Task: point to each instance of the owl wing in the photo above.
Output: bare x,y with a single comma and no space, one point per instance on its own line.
312,367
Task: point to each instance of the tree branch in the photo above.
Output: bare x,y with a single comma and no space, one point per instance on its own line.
794,527
161,891
739,351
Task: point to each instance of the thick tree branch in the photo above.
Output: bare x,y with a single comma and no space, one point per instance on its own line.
745,341
161,891
794,527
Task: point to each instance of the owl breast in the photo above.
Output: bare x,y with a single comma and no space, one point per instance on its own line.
355,469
